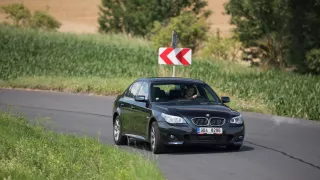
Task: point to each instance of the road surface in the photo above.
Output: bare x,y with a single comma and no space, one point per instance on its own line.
275,148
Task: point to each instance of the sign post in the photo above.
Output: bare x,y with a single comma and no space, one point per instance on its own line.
173,55
174,42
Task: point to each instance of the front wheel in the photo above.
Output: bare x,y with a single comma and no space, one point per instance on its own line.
118,138
155,141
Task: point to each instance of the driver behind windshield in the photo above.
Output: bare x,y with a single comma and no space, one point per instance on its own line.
189,92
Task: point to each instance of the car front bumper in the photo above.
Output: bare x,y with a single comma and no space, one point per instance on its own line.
187,135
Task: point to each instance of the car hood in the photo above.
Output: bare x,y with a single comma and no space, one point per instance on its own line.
198,110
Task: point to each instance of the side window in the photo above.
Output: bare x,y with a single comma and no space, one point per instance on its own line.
133,90
144,90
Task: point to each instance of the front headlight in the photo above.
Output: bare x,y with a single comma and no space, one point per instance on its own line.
173,119
237,120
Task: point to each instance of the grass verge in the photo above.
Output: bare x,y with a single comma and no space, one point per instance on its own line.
95,85
31,152
106,86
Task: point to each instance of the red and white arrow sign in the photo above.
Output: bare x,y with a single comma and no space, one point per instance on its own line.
177,56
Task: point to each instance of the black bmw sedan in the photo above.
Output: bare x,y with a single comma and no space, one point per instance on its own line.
169,111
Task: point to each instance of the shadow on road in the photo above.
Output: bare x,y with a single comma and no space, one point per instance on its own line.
204,150
182,150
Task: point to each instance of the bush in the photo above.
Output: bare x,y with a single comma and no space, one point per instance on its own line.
17,13
22,17
191,31
313,60
272,50
221,48
43,20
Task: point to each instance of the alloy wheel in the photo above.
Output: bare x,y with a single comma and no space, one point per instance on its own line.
116,130
153,138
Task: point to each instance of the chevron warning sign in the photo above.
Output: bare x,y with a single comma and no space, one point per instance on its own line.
175,56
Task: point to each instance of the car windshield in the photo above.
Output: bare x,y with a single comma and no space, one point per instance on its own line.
179,92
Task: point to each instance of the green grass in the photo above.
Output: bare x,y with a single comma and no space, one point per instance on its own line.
102,86
29,55
96,85
31,152
285,94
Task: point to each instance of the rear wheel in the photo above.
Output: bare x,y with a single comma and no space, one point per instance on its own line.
155,141
118,138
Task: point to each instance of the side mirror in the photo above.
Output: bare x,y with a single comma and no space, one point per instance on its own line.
140,98
225,99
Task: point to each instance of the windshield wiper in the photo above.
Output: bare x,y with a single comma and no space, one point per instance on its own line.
209,101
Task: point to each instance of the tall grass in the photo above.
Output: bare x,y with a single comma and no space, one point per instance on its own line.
30,53
31,152
286,94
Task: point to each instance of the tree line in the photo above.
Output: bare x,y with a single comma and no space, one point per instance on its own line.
287,32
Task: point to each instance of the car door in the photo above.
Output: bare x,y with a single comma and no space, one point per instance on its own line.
126,107
142,112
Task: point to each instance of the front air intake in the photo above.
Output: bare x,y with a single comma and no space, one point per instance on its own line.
200,121
216,121
203,121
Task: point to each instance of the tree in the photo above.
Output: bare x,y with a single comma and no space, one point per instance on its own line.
191,30
304,33
137,16
261,23
287,31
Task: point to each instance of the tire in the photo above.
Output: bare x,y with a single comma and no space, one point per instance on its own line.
233,147
118,138
156,145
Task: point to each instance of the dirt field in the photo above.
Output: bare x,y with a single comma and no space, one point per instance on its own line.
81,16
218,20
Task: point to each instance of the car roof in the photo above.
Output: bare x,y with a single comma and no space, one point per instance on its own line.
169,79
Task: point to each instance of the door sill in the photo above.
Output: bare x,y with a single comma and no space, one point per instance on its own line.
136,137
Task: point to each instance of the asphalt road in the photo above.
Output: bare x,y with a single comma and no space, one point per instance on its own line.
275,148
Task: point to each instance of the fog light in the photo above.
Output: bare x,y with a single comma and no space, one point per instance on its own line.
173,138
240,137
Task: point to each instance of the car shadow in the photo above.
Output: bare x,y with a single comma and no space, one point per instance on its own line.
182,150
205,150
137,144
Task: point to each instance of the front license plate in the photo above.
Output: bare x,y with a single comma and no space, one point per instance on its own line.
209,130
